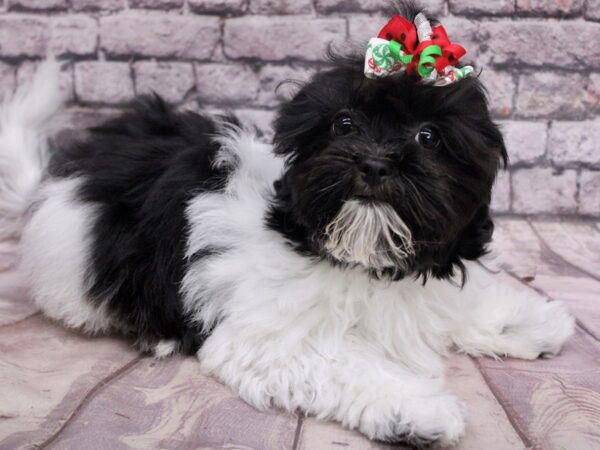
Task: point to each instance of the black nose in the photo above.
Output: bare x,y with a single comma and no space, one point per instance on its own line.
374,170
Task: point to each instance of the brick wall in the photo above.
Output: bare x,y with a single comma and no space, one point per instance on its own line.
540,59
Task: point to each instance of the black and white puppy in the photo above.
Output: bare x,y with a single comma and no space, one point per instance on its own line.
328,272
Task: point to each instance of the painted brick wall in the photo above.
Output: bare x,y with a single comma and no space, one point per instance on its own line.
540,60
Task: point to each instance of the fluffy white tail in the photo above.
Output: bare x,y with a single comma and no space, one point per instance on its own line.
24,121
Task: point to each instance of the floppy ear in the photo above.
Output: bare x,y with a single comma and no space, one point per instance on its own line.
303,122
470,245
296,124
473,241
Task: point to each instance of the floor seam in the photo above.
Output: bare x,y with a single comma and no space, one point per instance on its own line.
23,319
511,414
85,400
587,330
558,255
526,284
298,431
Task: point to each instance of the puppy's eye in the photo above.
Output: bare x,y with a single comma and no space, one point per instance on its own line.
428,137
343,125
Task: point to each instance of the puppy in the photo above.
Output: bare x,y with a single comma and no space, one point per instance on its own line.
329,272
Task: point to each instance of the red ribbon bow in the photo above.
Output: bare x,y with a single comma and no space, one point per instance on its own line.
404,32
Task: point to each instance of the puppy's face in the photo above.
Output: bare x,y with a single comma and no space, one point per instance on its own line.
389,174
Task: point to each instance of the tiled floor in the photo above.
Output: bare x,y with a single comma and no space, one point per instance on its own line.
59,389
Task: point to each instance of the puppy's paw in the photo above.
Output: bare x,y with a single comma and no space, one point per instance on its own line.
541,333
437,420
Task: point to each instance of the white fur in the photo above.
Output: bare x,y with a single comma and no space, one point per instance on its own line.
364,233
56,245
165,347
298,333
24,119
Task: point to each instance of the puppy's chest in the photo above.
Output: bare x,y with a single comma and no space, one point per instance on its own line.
264,284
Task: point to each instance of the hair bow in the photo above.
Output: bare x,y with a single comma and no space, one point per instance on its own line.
416,48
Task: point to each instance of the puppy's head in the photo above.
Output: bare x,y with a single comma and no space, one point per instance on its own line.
388,174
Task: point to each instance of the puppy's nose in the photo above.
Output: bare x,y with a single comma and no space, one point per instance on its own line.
374,170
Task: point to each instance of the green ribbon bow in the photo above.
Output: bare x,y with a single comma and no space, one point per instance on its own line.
395,51
427,60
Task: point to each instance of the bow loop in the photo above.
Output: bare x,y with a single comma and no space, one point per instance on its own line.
417,49
401,31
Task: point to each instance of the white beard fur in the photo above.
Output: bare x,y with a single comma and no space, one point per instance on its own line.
363,233
296,332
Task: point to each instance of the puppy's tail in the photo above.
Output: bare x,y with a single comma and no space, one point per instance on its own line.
24,123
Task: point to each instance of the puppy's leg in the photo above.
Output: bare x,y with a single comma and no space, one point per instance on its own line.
496,319
349,381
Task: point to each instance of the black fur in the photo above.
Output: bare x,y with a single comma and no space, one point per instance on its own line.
142,169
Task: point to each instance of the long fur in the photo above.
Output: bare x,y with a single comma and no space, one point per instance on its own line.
366,234
24,120
295,279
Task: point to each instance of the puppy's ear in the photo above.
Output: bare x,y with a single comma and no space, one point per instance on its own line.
470,245
303,123
299,124
473,241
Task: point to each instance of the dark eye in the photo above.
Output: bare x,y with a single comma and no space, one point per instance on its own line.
343,125
428,137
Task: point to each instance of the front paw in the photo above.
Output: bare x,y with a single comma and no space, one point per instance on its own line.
541,333
419,421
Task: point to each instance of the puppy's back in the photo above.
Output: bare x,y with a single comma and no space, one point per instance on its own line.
114,206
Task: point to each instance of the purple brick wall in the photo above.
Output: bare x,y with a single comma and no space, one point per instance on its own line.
540,60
